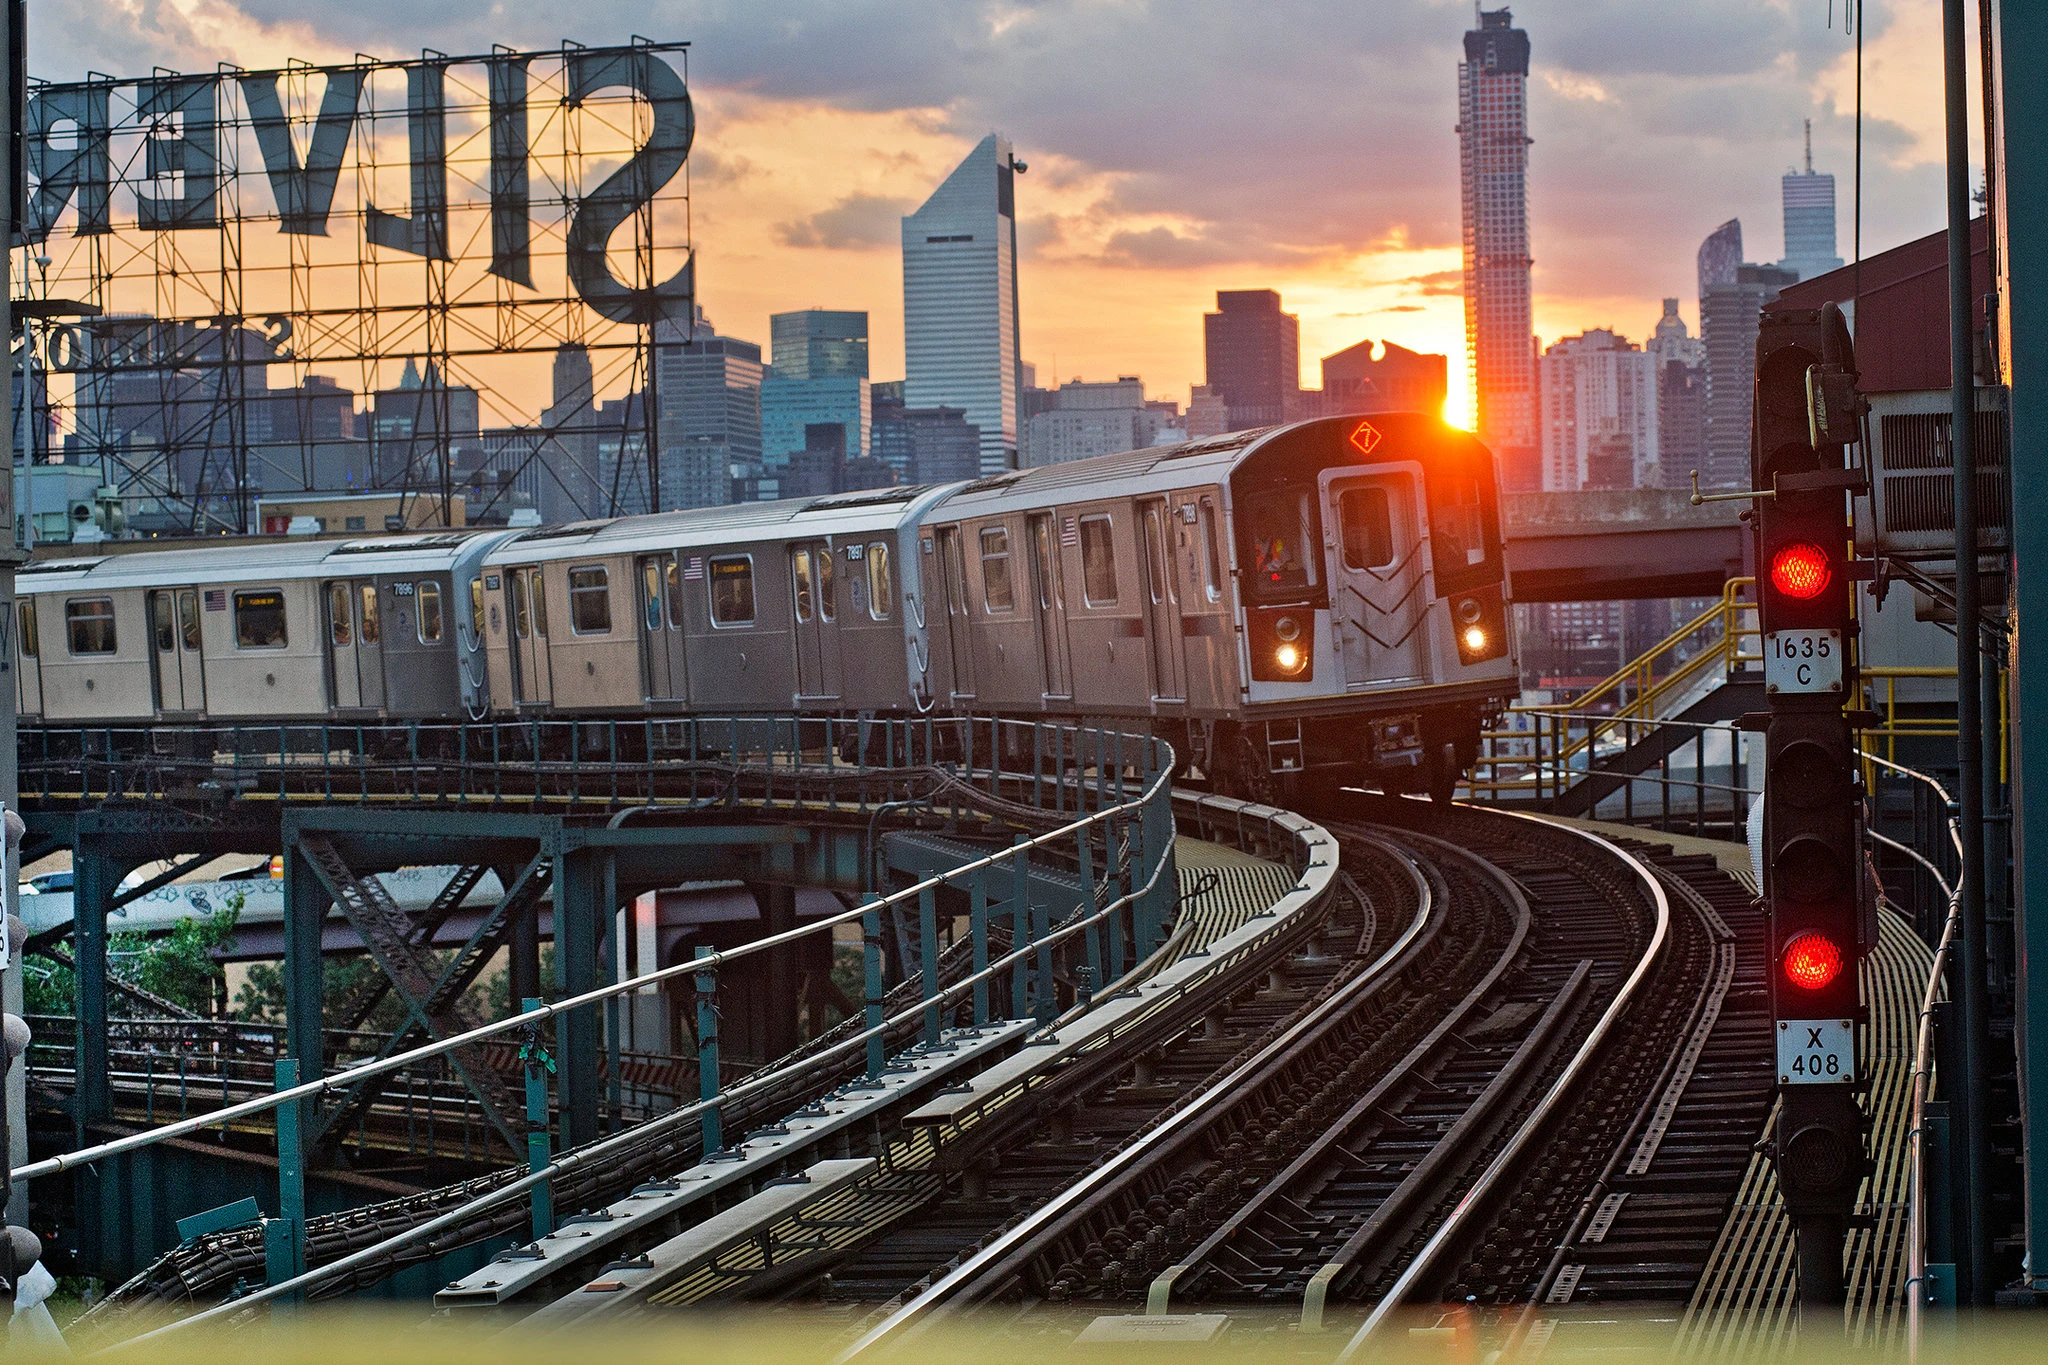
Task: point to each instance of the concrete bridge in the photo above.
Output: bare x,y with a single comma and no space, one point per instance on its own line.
1606,545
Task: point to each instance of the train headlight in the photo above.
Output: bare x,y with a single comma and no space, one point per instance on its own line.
1283,647
1479,625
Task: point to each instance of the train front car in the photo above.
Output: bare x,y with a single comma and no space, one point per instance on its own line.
1376,633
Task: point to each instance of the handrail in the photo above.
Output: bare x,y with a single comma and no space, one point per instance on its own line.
1923,1060
710,962
675,1118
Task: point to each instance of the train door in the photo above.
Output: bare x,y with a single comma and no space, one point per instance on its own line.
1373,544
815,605
28,654
532,669
355,643
1162,606
174,650
1052,606
959,629
661,628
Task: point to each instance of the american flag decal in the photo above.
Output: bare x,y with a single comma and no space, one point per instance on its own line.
693,567
216,599
1070,534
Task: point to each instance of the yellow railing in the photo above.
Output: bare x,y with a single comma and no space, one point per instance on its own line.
1555,745
1624,703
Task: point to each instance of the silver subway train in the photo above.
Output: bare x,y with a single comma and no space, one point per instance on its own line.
1323,601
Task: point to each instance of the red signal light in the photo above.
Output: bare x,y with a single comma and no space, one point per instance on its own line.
1801,571
1812,961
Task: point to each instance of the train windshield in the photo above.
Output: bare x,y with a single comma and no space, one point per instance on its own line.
1462,528
1280,534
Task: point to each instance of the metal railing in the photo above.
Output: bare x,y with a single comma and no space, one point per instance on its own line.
1121,848
838,762
1923,1053
167,1070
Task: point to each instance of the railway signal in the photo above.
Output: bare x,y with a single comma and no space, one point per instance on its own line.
1819,923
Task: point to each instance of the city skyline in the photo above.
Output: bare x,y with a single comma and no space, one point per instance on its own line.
801,169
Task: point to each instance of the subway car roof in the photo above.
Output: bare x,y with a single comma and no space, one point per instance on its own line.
1209,460
234,562
843,514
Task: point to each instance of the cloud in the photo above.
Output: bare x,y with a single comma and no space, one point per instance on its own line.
857,222
1437,284
1180,140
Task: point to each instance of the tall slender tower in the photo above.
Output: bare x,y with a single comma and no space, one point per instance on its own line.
960,343
1493,157
1809,197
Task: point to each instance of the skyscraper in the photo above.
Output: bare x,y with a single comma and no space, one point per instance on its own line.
710,391
1400,380
1732,294
819,376
960,339
1809,199
1493,161
1253,352
819,343
1681,385
1599,413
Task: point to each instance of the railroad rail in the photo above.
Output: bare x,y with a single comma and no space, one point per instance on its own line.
1360,1153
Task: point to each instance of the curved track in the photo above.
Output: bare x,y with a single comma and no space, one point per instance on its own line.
1364,1148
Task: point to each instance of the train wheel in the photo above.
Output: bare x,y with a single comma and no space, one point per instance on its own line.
1444,773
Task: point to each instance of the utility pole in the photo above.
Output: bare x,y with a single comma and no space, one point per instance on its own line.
2020,33
1975,955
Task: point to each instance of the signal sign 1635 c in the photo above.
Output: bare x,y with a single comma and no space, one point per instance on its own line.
1803,661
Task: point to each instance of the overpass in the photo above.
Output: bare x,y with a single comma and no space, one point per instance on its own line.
1606,545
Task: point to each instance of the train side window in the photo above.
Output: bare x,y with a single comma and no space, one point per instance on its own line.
590,600
650,594
367,628
1212,559
540,604
522,619
1098,561
429,597
1367,523
90,624
800,584
996,592
160,621
828,603
732,590
339,614
188,617
259,619
31,646
675,594
956,571
881,581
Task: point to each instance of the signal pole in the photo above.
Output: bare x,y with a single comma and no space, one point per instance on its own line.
1821,919
1974,951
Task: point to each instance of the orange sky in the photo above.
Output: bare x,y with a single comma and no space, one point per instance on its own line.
1650,129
